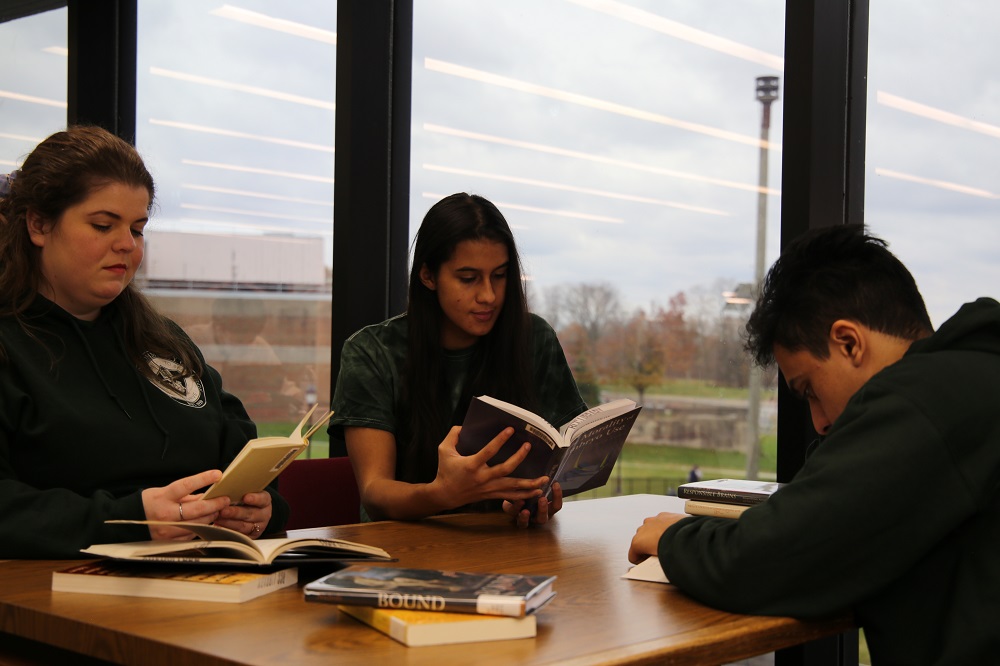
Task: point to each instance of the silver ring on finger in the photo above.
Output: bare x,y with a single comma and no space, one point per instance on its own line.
255,529
180,510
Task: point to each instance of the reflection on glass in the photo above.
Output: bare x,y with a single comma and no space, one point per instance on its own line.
622,141
32,83
933,135
237,126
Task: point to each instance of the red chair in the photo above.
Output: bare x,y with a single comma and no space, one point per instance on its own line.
320,492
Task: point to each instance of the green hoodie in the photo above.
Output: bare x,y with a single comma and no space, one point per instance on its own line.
895,515
83,432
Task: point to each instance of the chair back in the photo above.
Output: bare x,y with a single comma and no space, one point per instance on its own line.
320,492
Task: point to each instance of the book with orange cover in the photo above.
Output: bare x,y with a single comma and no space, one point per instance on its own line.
419,628
170,582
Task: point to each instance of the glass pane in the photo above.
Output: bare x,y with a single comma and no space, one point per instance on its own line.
32,83
932,172
622,140
237,126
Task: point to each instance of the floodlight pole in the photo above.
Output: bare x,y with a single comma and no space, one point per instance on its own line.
767,92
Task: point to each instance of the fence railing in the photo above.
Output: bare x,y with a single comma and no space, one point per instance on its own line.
633,486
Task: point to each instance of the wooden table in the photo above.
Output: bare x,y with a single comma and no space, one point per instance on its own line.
596,618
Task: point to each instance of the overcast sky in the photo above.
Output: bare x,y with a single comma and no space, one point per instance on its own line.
619,138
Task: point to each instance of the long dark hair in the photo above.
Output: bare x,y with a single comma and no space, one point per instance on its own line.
61,172
502,364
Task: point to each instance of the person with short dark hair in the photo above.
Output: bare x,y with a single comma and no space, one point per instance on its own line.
895,515
406,383
107,409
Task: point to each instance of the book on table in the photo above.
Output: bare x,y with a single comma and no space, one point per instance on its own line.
421,628
741,492
579,456
262,459
514,595
165,581
714,509
220,545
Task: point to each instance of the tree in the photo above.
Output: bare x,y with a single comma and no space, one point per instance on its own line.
632,354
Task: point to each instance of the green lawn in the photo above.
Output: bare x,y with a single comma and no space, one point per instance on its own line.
319,443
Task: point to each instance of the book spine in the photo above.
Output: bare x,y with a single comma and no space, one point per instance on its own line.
714,509
484,605
723,496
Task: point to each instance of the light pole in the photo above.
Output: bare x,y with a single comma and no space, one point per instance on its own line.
767,92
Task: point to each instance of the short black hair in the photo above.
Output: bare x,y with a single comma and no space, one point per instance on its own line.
838,272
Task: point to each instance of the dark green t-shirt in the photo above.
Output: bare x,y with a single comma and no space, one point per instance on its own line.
372,376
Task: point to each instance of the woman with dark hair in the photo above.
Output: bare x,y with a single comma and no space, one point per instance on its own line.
107,409
405,384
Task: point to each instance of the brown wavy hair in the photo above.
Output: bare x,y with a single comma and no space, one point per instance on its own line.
62,171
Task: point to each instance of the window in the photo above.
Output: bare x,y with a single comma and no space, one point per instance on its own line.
32,83
622,141
237,126
931,175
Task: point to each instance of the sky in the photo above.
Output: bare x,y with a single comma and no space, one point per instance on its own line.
620,139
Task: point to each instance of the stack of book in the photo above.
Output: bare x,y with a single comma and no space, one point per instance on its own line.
724,498
434,607
219,565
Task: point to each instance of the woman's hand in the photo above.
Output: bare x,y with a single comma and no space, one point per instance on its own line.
465,479
250,517
544,510
176,503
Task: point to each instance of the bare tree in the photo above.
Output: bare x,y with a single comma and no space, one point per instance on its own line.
594,306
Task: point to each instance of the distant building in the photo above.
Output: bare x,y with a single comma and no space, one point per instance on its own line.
179,260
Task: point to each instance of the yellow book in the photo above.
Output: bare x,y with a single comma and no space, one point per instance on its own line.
261,460
170,582
419,628
716,509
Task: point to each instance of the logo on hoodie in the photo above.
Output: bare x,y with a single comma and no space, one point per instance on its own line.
187,391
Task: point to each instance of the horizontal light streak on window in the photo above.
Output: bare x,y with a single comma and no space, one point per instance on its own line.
179,225
591,102
21,137
931,113
258,195
534,209
239,87
8,163
31,99
943,184
256,213
574,188
257,170
241,135
271,23
575,154
57,50
686,33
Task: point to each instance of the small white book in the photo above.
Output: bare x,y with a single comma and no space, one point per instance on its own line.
261,460
649,570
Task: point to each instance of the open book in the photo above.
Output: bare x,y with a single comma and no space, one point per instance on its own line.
579,456
261,460
219,545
